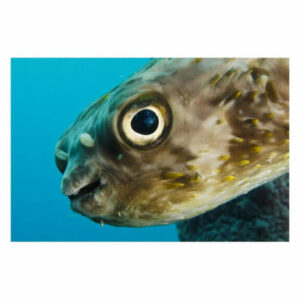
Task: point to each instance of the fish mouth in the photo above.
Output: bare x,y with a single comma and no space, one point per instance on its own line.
88,190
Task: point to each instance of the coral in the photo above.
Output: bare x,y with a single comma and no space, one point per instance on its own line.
260,215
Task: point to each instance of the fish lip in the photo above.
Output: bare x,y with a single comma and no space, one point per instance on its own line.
88,190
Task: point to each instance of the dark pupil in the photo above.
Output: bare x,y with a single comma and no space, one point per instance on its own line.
145,122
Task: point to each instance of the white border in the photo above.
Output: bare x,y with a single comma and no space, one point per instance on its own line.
148,270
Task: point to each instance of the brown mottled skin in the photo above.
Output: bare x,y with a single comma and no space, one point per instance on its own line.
226,133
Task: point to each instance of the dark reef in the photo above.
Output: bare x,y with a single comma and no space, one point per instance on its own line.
260,215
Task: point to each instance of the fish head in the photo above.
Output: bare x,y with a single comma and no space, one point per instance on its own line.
176,139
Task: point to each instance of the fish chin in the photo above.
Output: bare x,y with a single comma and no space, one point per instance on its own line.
87,205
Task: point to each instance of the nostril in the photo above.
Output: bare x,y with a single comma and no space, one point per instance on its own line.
61,159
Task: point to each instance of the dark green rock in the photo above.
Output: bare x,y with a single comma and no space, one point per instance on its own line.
260,215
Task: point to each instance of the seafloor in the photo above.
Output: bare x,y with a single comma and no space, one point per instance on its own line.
260,215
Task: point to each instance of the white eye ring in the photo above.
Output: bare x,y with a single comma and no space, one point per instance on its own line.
142,139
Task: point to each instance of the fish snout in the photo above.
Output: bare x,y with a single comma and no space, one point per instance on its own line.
79,178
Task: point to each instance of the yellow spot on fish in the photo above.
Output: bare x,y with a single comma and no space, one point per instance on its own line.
233,96
268,134
286,141
269,116
246,179
258,166
244,162
172,175
229,178
197,59
224,157
217,171
254,94
213,81
256,149
251,121
174,185
237,94
286,155
238,140
219,122
87,140
192,168
196,178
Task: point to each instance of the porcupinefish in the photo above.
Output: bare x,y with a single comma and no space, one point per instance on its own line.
179,137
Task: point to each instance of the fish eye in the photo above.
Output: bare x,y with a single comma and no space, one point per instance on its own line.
145,122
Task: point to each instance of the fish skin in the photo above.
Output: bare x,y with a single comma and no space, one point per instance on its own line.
228,135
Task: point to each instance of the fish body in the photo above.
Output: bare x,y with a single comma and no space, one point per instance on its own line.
179,137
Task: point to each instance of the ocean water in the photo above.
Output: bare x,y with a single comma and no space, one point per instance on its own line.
46,97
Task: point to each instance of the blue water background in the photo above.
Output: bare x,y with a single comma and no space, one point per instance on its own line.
47,96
